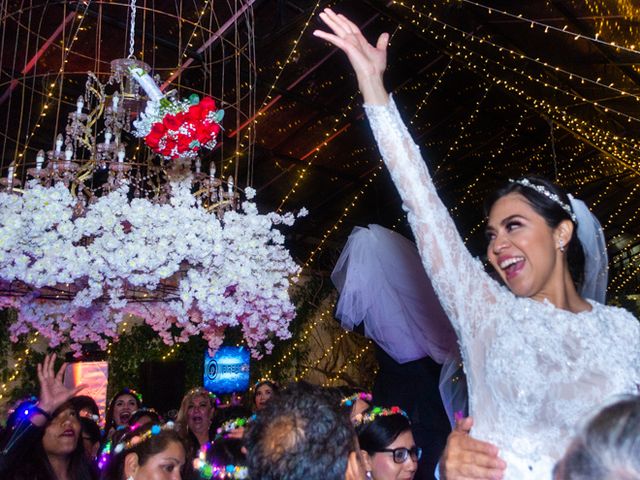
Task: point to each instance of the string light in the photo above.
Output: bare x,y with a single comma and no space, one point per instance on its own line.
18,366
300,340
346,365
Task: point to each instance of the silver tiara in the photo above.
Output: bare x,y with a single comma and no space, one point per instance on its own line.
550,195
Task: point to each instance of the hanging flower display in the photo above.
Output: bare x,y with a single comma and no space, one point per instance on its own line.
176,128
176,265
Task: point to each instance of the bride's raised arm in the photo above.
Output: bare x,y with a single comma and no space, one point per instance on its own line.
464,288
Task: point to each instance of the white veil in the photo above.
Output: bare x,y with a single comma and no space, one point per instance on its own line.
382,283
596,265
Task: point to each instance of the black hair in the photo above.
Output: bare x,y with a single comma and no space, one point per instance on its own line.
300,435
144,412
90,429
227,451
109,421
145,449
85,402
552,213
34,464
381,432
274,388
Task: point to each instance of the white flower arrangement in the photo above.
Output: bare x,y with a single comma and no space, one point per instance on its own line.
234,272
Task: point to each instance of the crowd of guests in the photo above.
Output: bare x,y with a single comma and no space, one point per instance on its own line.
302,432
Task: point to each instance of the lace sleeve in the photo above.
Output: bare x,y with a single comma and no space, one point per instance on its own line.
465,290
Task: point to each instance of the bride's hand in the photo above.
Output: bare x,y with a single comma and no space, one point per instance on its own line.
368,62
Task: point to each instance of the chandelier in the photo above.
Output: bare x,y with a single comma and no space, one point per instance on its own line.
103,226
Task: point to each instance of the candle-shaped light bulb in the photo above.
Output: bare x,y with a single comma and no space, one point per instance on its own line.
115,100
121,154
39,160
59,142
212,170
230,183
107,136
79,105
68,154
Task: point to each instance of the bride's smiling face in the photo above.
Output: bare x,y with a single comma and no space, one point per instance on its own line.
522,247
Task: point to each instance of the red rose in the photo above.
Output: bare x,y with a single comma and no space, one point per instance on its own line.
195,113
207,104
183,143
172,122
170,145
154,136
158,128
152,141
203,133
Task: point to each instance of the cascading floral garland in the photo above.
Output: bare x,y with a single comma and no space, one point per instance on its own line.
230,272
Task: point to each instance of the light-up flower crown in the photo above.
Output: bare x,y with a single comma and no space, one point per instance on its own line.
550,195
133,393
263,381
197,391
210,471
375,412
231,425
143,437
348,401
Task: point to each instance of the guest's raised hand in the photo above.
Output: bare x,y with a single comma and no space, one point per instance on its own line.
53,393
368,61
466,458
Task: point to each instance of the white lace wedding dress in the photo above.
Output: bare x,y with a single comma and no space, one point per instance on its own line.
534,371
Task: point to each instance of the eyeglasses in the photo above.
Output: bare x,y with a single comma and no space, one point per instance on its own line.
401,455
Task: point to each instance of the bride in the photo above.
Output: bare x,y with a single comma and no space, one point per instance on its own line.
538,355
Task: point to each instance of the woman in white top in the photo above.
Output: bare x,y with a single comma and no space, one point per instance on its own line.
538,356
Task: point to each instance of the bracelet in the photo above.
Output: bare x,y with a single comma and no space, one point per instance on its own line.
37,409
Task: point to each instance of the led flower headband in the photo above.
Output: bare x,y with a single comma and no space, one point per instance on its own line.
370,415
264,381
132,392
348,401
231,425
210,471
143,437
197,391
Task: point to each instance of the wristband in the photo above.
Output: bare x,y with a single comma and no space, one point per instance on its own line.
37,409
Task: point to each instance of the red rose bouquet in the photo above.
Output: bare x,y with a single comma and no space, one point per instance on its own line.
176,128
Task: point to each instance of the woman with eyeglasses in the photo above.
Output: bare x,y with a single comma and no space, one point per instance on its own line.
388,449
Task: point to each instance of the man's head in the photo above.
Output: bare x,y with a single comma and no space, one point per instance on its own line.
300,435
607,448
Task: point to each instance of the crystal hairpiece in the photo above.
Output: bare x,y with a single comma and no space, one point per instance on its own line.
370,415
550,195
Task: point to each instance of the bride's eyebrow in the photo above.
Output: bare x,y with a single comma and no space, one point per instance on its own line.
503,222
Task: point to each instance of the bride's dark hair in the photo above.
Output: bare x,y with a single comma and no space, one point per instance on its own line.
552,213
